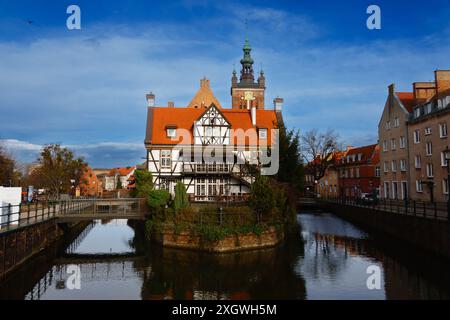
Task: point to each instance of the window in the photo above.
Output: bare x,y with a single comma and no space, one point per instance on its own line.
357,172
377,172
416,112
396,122
394,190
262,133
393,144
416,136
201,187
164,184
429,148
388,125
394,165
445,186
402,165
404,185
419,185
171,132
386,166
427,131
165,158
429,170
386,189
385,146
418,162
443,130
402,142
443,160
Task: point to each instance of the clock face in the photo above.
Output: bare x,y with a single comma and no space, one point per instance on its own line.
248,95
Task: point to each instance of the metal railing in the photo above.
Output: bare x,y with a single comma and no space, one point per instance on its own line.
215,217
423,209
26,214
13,216
219,198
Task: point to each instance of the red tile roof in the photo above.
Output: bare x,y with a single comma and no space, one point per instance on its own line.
407,99
368,152
158,118
124,171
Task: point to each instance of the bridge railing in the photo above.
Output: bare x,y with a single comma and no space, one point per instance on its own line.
423,209
25,214
99,207
13,216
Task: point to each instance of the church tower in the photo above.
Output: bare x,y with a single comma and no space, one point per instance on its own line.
247,93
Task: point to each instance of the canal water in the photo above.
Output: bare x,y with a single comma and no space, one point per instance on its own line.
324,258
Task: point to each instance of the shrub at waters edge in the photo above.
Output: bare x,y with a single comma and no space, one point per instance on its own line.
158,199
144,184
181,197
268,200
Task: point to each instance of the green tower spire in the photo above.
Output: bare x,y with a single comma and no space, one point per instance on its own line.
247,63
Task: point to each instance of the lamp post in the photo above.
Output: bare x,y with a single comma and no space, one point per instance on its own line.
447,159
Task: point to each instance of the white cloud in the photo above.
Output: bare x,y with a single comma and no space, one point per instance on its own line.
109,154
13,144
81,88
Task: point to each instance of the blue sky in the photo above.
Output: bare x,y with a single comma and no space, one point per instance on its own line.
86,88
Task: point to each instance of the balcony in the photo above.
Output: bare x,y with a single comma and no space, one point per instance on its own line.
205,168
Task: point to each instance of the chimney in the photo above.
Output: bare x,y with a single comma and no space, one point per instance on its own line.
391,94
442,78
150,99
253,114
424,90
204,83
171,104
391,89
278,103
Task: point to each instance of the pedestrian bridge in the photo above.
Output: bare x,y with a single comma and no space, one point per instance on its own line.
12,217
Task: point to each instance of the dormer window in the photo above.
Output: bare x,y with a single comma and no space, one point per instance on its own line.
171,131
417,112
262,134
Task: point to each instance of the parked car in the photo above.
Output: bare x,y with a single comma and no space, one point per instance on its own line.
367,199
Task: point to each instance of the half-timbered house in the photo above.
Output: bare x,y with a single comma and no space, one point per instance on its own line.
213,150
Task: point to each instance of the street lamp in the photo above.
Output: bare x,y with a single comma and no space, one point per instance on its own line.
447,159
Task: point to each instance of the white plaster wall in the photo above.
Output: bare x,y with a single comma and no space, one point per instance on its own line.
10,196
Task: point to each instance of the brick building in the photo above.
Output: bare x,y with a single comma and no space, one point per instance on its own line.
90,185
394,140
413,133
328,185
428,127
359,171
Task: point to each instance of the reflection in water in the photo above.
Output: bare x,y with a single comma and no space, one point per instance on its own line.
325,258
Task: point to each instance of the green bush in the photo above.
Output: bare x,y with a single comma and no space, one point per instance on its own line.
212,233
262,196
143,184
187,215
181,198
153,226
158,199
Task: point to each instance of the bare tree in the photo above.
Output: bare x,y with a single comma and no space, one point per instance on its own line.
316,148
